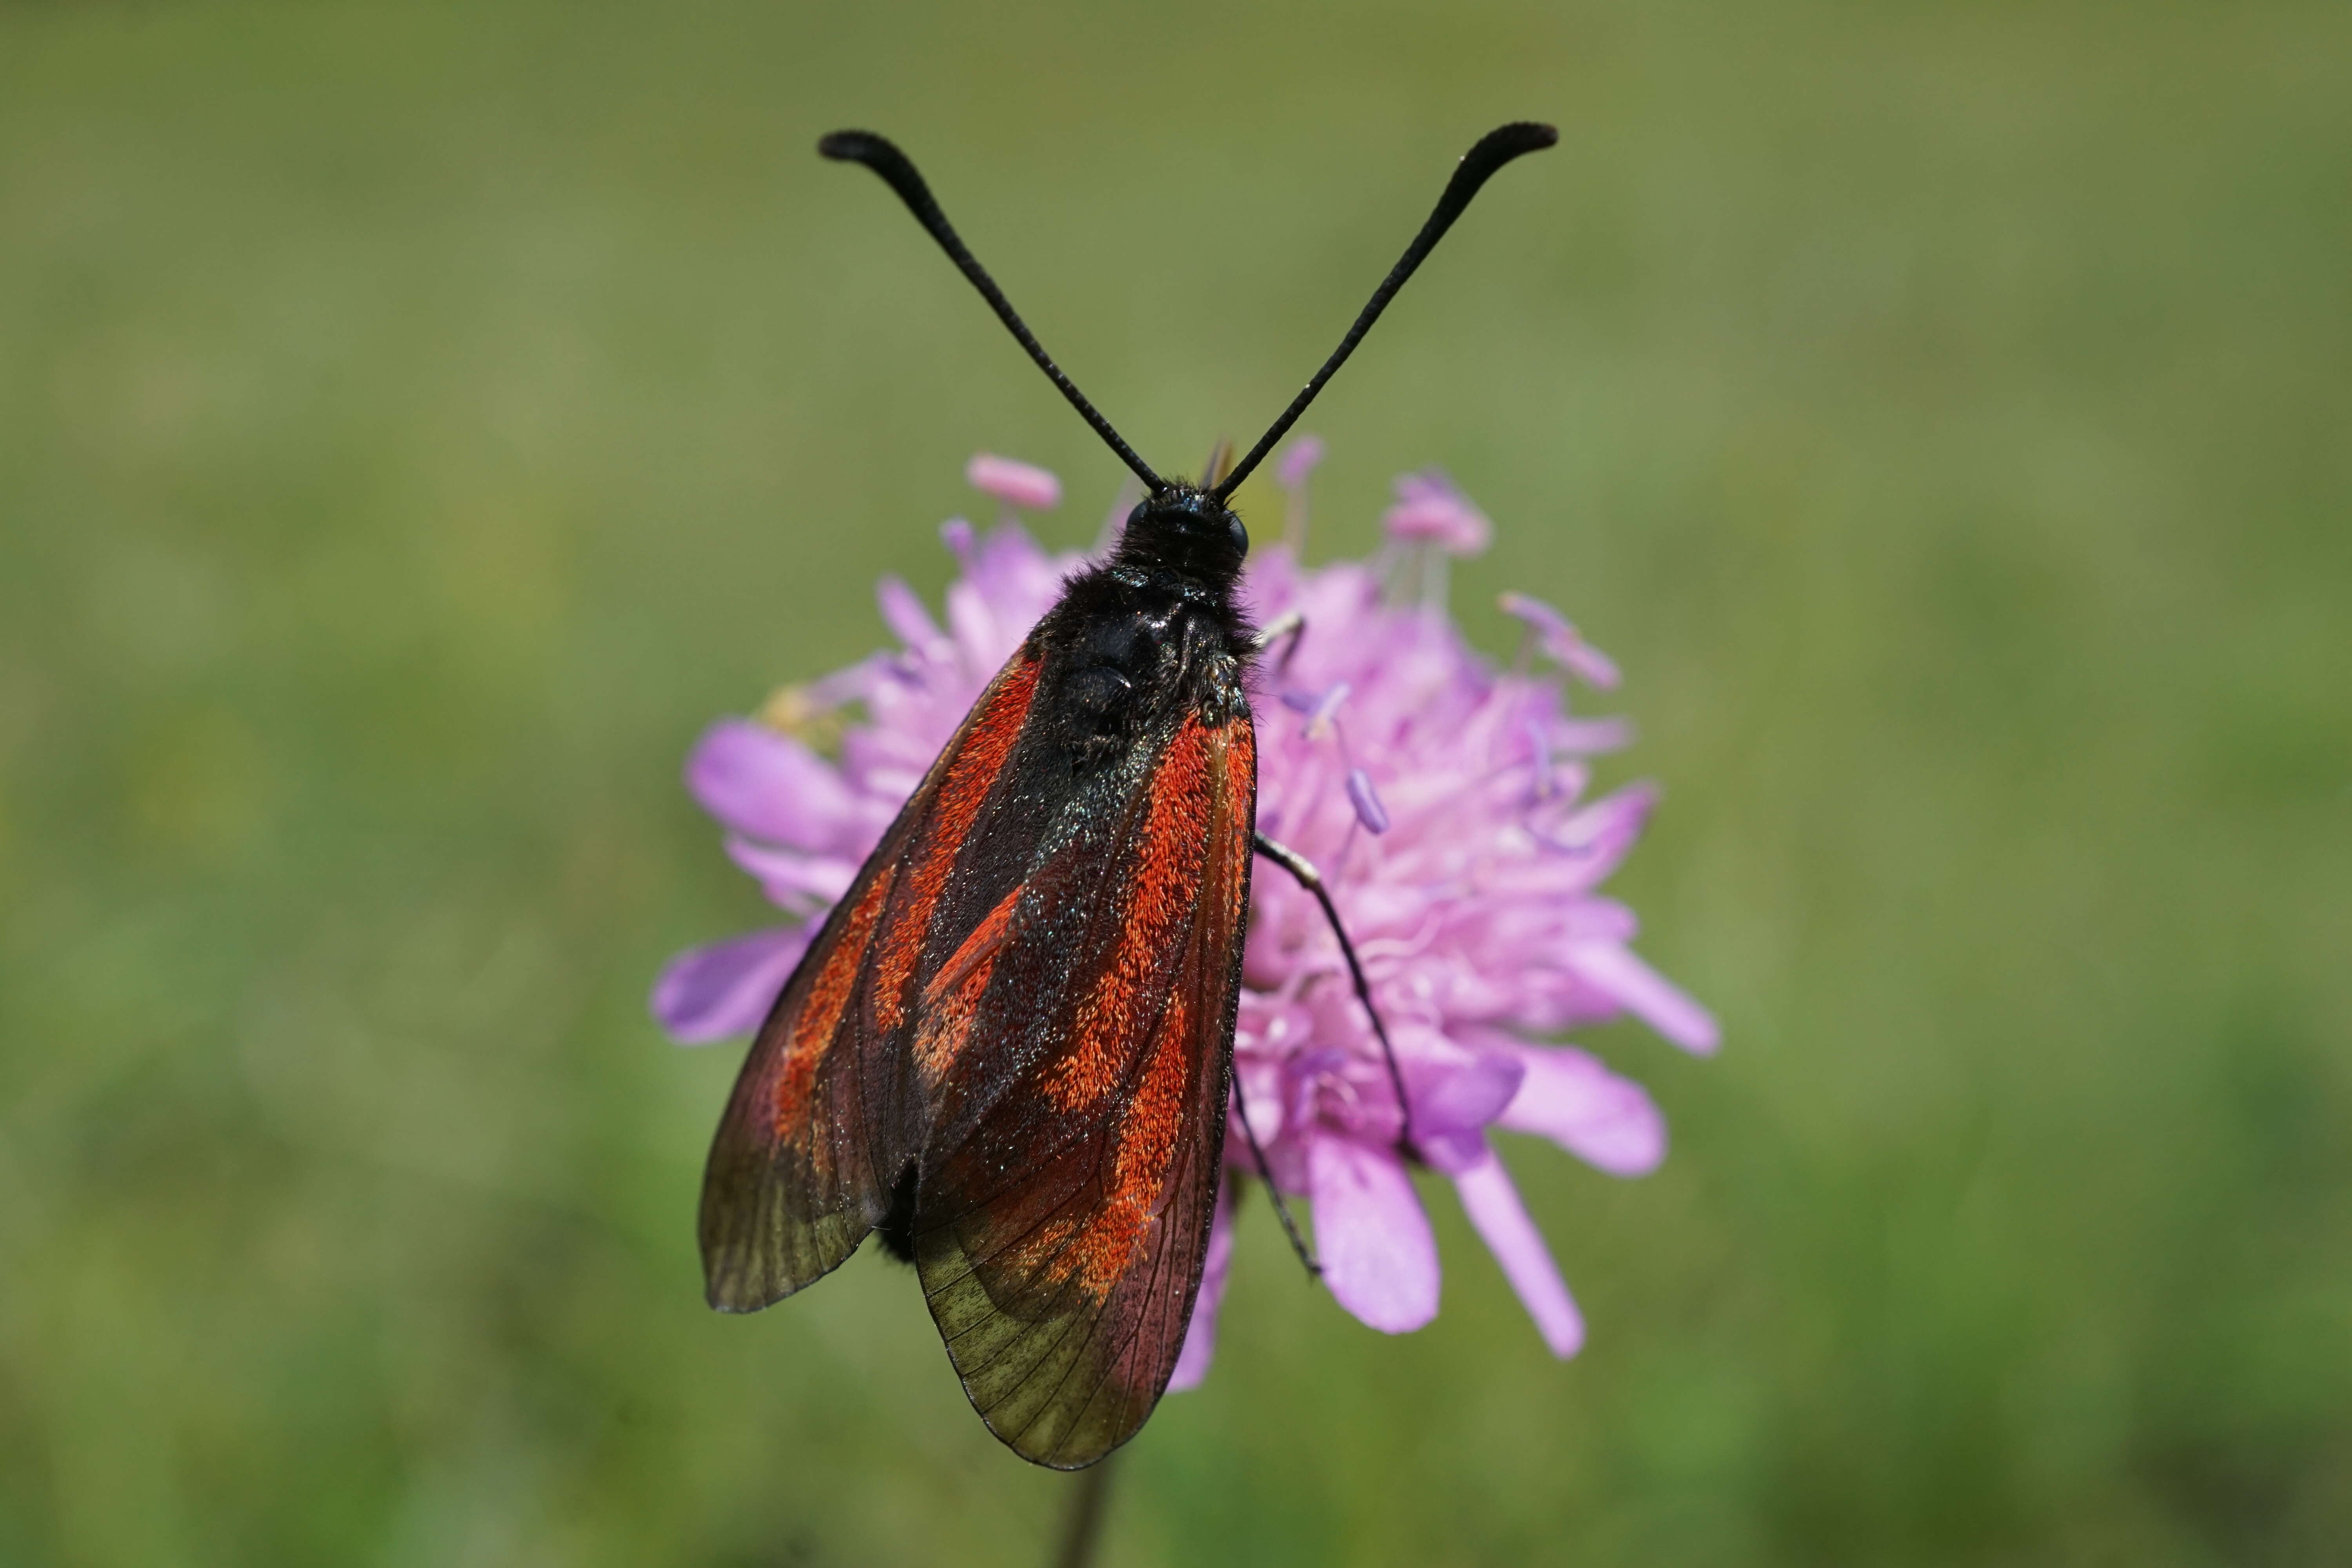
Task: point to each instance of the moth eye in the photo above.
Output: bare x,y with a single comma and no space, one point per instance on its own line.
1136,516
1239,534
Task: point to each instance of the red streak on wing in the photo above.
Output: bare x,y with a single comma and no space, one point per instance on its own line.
1154,1128
1148,1138
1237,759
1110,1021
952,999
983,747
820,1018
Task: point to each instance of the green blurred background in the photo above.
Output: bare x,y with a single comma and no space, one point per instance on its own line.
416,422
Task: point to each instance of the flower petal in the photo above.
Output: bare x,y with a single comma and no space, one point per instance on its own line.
1012,482
1297,461
1602,833
1201,1333
1591,737
768,785
1607,1121
709,993
1458,1091
976,629
1429,508
851,683
1588,663
903,612
791,879
957,535
1560,640
1326,709
1493,1207
1534,614
1379,1257
1648,994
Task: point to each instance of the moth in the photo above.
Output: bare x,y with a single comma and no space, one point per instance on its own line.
1008,1049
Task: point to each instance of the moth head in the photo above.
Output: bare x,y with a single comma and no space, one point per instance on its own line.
1188,528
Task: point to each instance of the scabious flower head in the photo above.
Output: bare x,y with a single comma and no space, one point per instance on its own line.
1447,805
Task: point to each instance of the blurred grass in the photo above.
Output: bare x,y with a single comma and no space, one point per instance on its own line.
415,423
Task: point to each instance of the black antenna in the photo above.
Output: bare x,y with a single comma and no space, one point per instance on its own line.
1495,149
878,153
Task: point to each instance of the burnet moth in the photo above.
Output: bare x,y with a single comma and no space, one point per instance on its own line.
1008,1049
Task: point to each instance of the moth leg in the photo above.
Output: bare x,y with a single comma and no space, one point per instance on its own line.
1266,1175
1309,877
1287,628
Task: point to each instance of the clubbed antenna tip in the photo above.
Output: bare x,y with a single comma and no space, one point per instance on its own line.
897,171
1494,150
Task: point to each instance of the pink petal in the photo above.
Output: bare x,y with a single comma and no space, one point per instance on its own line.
1379,1257
768,785
1493,1207
1648,994
1461,1093
1602,833
1560,640
1588,663
1326,709
1014,483
976,631
1538,616
851,684
792,878
1591,737
1016,575
1299,459
1201,1333
957,535
903,612
1429,509
708,994
1607,1121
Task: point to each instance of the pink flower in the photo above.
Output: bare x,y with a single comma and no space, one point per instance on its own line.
1448,807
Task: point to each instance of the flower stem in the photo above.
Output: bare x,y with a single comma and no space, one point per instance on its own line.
1084,1527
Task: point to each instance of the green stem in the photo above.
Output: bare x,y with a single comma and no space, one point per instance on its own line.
1085,1528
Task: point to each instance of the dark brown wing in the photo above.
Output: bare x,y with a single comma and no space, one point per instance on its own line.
1067,1182
825,1116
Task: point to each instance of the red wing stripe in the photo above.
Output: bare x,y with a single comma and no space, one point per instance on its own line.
995,724
952,999
819,1020
1148,1136
1110,1026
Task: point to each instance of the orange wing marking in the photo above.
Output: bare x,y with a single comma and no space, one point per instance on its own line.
1239,755
994,727
1146,1165
952,998
1109,1020
819,1015
1147,1147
